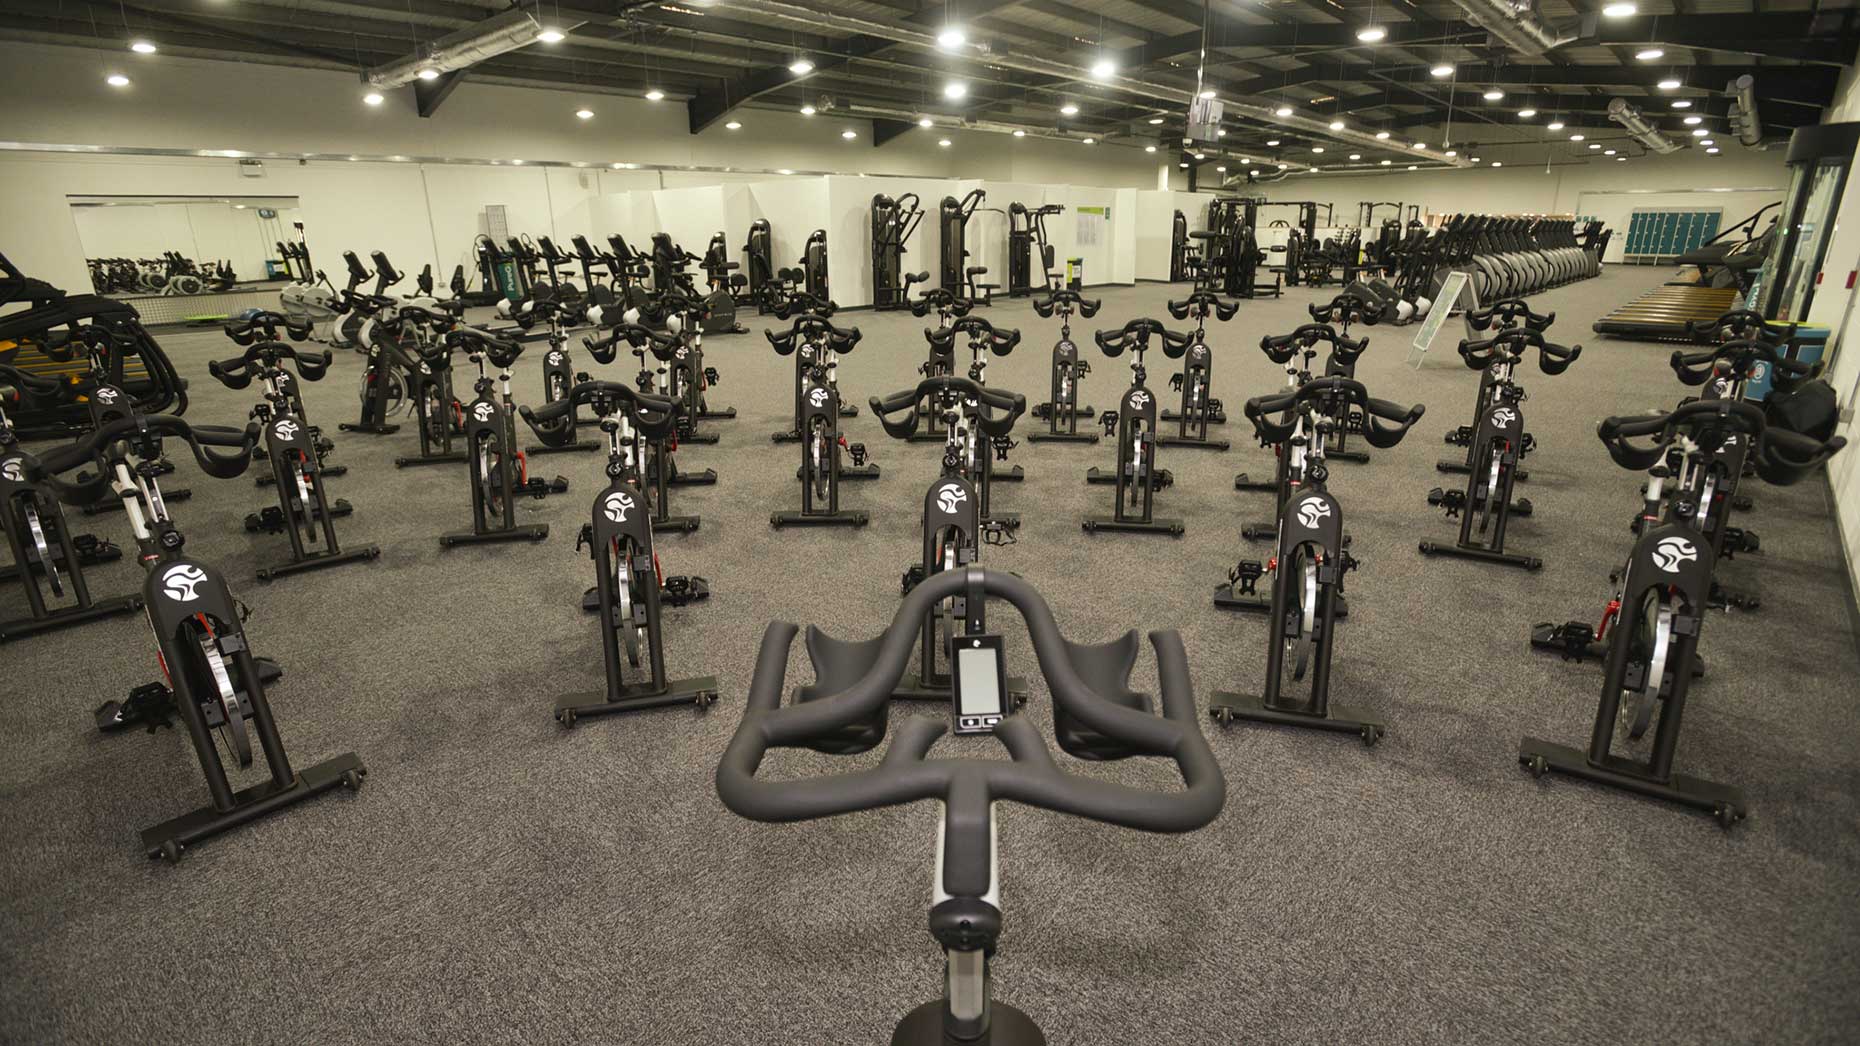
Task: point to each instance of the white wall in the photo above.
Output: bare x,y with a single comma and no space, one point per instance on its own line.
1831,308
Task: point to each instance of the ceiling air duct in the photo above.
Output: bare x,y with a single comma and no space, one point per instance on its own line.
467,47
1517,23
1645,133
1743,114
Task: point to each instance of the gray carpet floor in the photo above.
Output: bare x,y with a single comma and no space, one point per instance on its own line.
502,880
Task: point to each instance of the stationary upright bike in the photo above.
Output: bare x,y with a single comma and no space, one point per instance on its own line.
1062,407
819,424
1135,471
498,471
628,585
1198,408
1308,569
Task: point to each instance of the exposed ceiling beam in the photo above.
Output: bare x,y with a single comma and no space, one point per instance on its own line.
1825,37
429,95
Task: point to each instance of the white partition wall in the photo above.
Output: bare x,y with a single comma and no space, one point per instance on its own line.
796,207
1155,227
456,197
690,217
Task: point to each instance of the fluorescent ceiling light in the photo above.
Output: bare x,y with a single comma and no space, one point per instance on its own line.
1495,163
1336,125
1208,93
1420,145
1220,170
951,38
1220,132
1156,121
808,110
1385,163
1283,110
1620,159
1525,114
1699,132
1453,152
1023,134
1272,142
1669,84
1707,141
944,142
1412,167
551,36
955,89
1356,156
1149,148
429,73
1317,148
1441,71
142,47
1554,125
1575,137
1595,145
1493,94
800,67
1372,34
1253,174
1382,135
1608,152
1712,151
1682,103
924,121
1094,141
1183,164
1693,121
1068,109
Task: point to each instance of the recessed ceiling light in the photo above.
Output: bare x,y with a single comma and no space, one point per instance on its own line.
1020,134
1525,114
1372,34
733,125
551,36
849,134
955,89
1608,152
1620,159
1156,121
1220,132
1317,148
924,121
951,38
1682,103
371,98
1385,163
1281,167
1475,159
1650,54
1453,152
1149,148
808,110
1693,121
785,170
1554,125
1183,164
1669,84
1595,145
1272,143
142,47
1336,125
1707,141
1283,110
1495,163
1493,94
1699,132
1094,141
944,142
1382,135
584,114
1201,156
1412,167
428,74
1441,71
1712,151
1220,170
1576,137
1102,69
800,67
1208,93
1068,109
1253,174
654,95
1356,156
519,163
1619,11
1420,145
614,166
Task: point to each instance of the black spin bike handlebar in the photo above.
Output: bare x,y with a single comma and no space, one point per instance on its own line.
1346,308
1086,307
1512,312
811,328
979,332
1137,334
1385,423
1740,325
1782,457
654,416
942,301
1280,348
1510,344
92,447
246,330
1011,405
238,372
1201,304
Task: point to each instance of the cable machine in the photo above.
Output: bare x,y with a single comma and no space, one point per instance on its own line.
1231,259
893,222
957,275
759,258
1027,233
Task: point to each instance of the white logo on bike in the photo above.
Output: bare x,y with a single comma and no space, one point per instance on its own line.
555,359
181,580
949,496
1311,510
1504,418
483,411
617,505
1670,552
285,429
12,470
106,395
818,397
1139,399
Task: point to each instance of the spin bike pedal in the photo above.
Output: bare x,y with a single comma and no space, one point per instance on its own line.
1522,507
1461,436
911,579
93,550
1573,640
998,532
1737,539
1742,502
1454,501
1245,577
680,590
857,452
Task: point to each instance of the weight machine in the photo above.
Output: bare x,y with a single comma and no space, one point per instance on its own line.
1232,256
1027,233
893,222
957,275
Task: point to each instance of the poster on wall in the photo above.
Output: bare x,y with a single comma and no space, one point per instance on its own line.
1092,221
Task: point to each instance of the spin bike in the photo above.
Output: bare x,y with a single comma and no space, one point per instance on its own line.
1486,506
435,405
215,684
498,471
1296,352
1062,406
304,511
1508,315
47,557
1311,560
1198,409
984,339
1096,716
661,464
949,307
955,516
1664,593
627,593
815,343
819,423
1134,422
558,369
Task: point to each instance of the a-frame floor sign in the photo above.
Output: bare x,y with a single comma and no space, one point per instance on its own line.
1456,292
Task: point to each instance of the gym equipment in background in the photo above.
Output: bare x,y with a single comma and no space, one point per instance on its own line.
684,376
497,470
1296,352
814,264
1134,469
957,276
1497,445
1311,559
1067,371
304,511
1232,257
758,261
500,278
1664,591
814,357
627,594
1096,716
47,557
1026,241
893,222
1184,257
1507,315
420,335
942,355
954,516
984,339
558,367
217,684
717,312
819,424
1198,408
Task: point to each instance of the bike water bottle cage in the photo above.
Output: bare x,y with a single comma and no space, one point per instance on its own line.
1096,716
1509,344
1068,300
1275,417
810,330
995,410
654,417
1509,314
1136,336
1201,304
1346,309
980,332
1741,359
1280,348
98,446
238,372
1740,325
247,329
944,302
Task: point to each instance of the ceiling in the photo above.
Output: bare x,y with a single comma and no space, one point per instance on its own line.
1290,72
